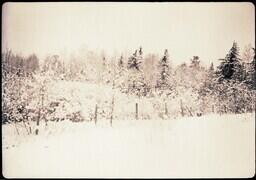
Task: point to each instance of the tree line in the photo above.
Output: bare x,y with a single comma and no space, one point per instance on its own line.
228,88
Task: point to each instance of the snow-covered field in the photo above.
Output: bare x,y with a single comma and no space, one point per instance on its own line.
207,146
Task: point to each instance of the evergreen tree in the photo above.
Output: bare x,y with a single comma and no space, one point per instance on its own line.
195,63
232,93
121,62
211,69
230,67
107,72
136,79
134,62
120,74
164,70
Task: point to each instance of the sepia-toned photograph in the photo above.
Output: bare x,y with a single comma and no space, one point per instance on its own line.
128,89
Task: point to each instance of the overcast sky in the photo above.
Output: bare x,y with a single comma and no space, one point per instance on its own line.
185,29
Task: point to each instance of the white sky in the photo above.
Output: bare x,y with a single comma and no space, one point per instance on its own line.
185,29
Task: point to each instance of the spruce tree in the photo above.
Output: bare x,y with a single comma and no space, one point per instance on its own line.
195,63
164,70
211,69
120,74
231,77
136,81
134,62
230,67
121,62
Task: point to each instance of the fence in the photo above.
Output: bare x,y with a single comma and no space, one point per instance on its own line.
136,112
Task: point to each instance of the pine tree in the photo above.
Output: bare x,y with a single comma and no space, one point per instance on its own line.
107,71
230,67
136,79
134,62
120,74
211,69
121,62
195,63
164,70
231,89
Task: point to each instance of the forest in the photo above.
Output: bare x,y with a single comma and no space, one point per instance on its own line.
94,87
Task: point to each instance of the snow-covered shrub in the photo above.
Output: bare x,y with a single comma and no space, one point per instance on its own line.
239,98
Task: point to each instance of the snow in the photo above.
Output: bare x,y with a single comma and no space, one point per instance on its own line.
207,146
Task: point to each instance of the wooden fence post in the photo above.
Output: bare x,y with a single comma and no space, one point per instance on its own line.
112,110
16,127
113,99
136,115
95,115
181,107
254,107
166,110
39,113
189,110
225,109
